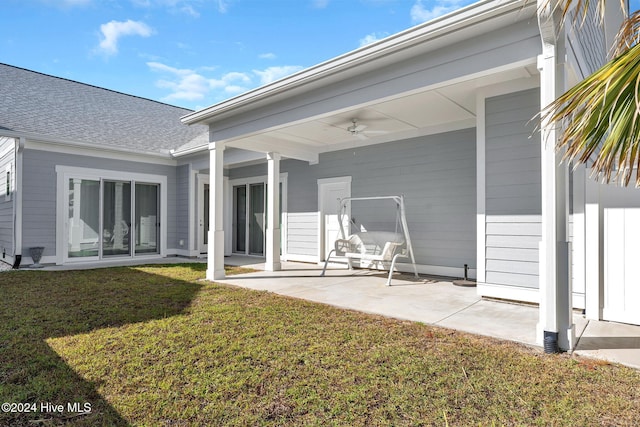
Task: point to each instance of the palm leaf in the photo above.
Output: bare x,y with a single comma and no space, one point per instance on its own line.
601,118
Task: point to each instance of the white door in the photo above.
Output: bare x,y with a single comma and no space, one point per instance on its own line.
330,191
203,213
621,256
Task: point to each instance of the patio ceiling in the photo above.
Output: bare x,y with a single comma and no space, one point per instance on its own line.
447,107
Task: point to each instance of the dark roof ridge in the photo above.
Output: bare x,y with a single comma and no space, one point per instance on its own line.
96,87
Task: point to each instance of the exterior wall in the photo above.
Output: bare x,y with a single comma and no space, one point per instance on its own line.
182,203
7,162
39,194
302,233
436,174
587,41
513,190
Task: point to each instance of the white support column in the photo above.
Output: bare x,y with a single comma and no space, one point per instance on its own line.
481,190
273,213
555,284
577,241
594,269
215,252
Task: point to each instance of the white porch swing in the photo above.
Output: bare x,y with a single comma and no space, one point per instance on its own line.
377,247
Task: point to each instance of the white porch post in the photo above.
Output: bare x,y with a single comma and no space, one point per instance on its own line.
594,249
273,213
215,250
556,323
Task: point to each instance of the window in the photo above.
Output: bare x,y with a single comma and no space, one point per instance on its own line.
8,183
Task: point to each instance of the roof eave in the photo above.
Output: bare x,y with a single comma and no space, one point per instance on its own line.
36,137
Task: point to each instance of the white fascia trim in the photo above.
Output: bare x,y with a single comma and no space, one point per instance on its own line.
67,146
436,28
513,293
257,180
313,259
192,150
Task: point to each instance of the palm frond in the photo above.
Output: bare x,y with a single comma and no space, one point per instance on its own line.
628,35
580,7
601,116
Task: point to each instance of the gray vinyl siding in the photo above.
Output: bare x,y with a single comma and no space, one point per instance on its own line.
6,203
182,206
39,193
588,40
302,233
513,189
435,173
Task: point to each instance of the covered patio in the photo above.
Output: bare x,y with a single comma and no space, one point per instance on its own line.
444,113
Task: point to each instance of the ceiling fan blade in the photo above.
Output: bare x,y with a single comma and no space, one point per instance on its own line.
360,128
375,132
361,136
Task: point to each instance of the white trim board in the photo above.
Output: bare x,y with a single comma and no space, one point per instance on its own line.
99,152
514,293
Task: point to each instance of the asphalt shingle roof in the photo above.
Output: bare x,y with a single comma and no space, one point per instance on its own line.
64,109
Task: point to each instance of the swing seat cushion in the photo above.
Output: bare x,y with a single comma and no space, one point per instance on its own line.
370,245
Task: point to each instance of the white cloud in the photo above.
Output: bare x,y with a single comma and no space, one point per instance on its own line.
267,56
189,10
272,74
185,84
421,13
320,4
370,38
189,85
66,3
114,30
188,7
223,6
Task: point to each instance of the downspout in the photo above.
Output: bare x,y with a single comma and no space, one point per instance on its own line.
17,203
555,328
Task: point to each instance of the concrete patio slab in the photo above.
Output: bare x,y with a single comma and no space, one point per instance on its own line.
614,342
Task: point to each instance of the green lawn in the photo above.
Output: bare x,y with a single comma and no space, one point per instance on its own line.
153,346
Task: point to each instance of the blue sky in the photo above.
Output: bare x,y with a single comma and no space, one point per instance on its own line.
194,53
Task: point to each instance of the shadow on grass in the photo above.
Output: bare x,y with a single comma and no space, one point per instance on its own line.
35,306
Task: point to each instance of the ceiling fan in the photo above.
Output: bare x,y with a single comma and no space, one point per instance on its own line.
359,130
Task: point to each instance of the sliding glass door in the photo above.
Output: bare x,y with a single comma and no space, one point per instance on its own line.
256,219
83,218
110,218
146,215
240,218
249,218
116,218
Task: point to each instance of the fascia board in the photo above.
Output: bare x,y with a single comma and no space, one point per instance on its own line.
437,28
44,139
181,153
